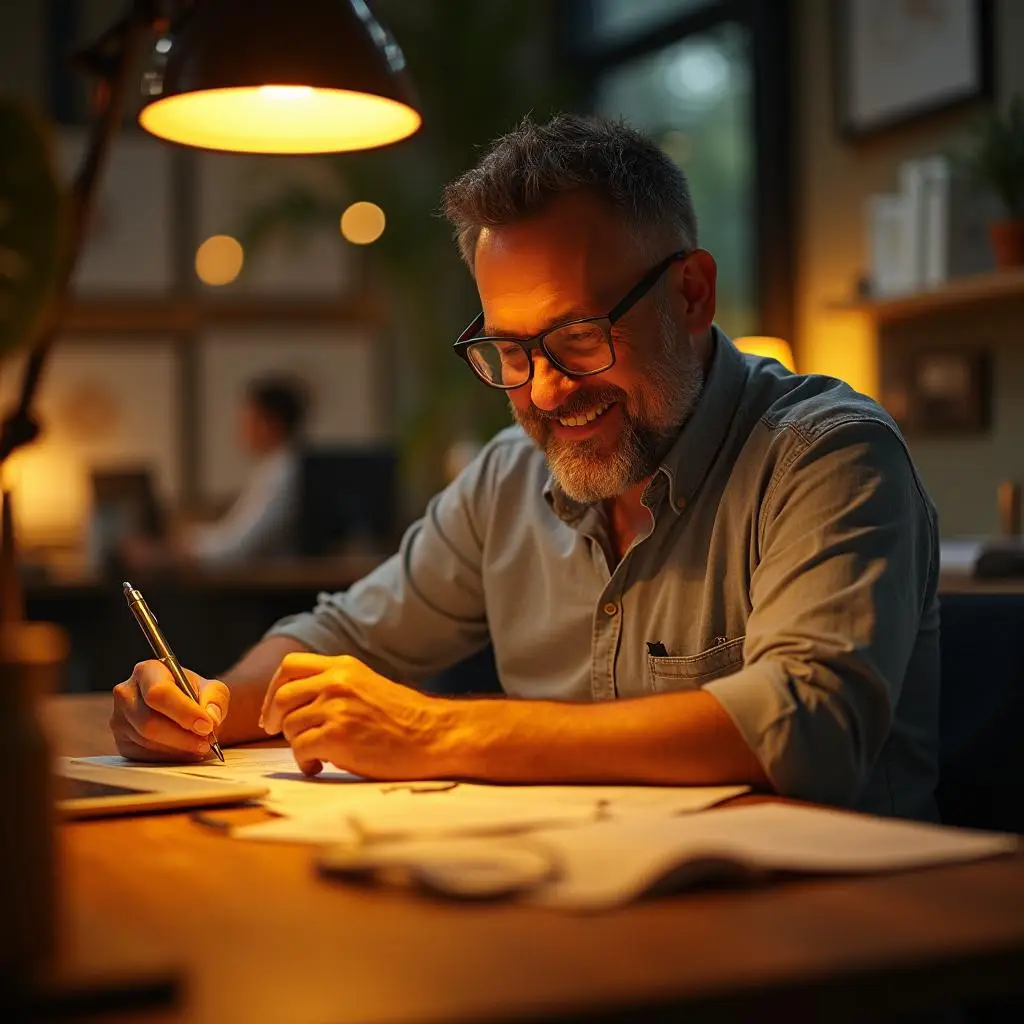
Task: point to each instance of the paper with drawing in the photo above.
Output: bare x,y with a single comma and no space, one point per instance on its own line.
337,806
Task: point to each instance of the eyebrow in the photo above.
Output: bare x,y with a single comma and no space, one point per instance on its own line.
565,318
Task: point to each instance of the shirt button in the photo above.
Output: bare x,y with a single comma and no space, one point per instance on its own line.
610,608
680,503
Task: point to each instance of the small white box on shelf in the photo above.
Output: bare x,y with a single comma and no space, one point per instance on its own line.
890,245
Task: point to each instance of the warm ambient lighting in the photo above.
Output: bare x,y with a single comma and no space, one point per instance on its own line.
773,348
362,223
262,76
219,260
279,119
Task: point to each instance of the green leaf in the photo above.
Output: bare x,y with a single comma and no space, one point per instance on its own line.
30,217
996,160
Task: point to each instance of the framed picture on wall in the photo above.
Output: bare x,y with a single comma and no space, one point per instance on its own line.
897,60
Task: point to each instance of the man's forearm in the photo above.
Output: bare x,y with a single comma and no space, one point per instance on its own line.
684,739
248,680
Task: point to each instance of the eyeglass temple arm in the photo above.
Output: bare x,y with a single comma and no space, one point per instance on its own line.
645,284
473,329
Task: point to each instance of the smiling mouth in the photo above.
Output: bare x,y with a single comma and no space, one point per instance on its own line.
583,419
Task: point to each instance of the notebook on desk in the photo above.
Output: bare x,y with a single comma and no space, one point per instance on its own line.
86,790
605,864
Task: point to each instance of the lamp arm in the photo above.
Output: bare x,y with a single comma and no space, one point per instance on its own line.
113,56
122,46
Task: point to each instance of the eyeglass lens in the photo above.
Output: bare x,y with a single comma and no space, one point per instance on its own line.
576,348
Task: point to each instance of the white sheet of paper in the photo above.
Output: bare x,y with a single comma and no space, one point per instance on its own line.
337,806
417,810
612,862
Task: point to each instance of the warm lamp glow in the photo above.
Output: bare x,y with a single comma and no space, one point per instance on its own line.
10,471
268,76
773,348
219,260
280,119
362,223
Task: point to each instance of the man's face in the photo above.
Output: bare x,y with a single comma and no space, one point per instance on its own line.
603,433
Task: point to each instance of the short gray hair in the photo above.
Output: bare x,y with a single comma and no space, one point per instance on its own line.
534,163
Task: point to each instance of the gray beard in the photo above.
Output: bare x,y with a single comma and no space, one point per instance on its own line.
651,420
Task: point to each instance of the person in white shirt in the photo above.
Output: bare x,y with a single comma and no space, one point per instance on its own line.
261,522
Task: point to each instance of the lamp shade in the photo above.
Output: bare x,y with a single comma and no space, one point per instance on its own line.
773,348
279,76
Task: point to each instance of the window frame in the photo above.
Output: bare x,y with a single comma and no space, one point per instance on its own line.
773,87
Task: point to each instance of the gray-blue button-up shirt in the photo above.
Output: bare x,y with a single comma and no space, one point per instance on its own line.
790,569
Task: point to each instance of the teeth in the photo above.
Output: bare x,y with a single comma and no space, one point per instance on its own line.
582,421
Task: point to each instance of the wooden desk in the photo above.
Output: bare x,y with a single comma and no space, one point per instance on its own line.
261,938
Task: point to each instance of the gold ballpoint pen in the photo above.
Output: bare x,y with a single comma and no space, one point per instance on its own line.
162,652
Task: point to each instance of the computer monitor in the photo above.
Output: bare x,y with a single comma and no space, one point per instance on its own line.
348,497
124,502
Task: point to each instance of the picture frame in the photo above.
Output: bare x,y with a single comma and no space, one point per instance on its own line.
896,61
942,391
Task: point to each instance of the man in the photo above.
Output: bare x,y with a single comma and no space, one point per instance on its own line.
260,523
697,567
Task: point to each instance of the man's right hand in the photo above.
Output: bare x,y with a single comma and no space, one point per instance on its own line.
154,721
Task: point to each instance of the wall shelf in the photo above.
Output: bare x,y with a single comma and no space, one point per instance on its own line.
162,315
961,293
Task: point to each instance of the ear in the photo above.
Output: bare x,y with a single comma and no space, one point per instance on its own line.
693,282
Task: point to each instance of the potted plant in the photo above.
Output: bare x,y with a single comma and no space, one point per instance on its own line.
996,164
29,222
32,654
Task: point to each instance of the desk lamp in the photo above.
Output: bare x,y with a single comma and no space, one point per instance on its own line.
775,348
252,76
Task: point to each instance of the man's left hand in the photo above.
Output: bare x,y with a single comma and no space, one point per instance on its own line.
337,709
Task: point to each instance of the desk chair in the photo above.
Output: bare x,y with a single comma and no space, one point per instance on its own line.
348,496
981,727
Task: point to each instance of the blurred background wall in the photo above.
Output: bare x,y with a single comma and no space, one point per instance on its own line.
961,468
743,93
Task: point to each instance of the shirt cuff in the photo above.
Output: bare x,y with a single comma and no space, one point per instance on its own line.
801,741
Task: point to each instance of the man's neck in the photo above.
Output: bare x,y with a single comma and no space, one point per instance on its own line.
627,517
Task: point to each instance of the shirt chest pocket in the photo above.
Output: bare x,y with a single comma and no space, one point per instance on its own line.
693,671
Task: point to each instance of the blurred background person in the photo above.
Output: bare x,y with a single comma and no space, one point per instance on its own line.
261,522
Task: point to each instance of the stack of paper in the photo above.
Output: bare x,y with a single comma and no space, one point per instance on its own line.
604,864
582,847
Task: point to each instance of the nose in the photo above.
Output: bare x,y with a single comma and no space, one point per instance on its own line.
549,387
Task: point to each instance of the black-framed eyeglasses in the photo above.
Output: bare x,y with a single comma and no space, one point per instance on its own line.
578,348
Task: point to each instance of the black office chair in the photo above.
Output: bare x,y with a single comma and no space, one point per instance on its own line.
981,728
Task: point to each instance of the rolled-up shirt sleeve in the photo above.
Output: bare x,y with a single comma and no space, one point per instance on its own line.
846,566
423,609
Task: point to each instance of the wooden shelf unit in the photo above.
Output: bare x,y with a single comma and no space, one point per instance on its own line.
161,315
960,293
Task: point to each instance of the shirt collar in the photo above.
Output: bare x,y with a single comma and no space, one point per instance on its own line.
688,461
694,450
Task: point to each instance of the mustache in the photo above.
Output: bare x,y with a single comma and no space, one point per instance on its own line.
578,404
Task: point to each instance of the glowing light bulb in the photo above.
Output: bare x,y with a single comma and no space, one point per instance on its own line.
285,92
363,223
219,260
773,348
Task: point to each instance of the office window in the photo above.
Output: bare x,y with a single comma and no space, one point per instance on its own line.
693,97
618,19
709,80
